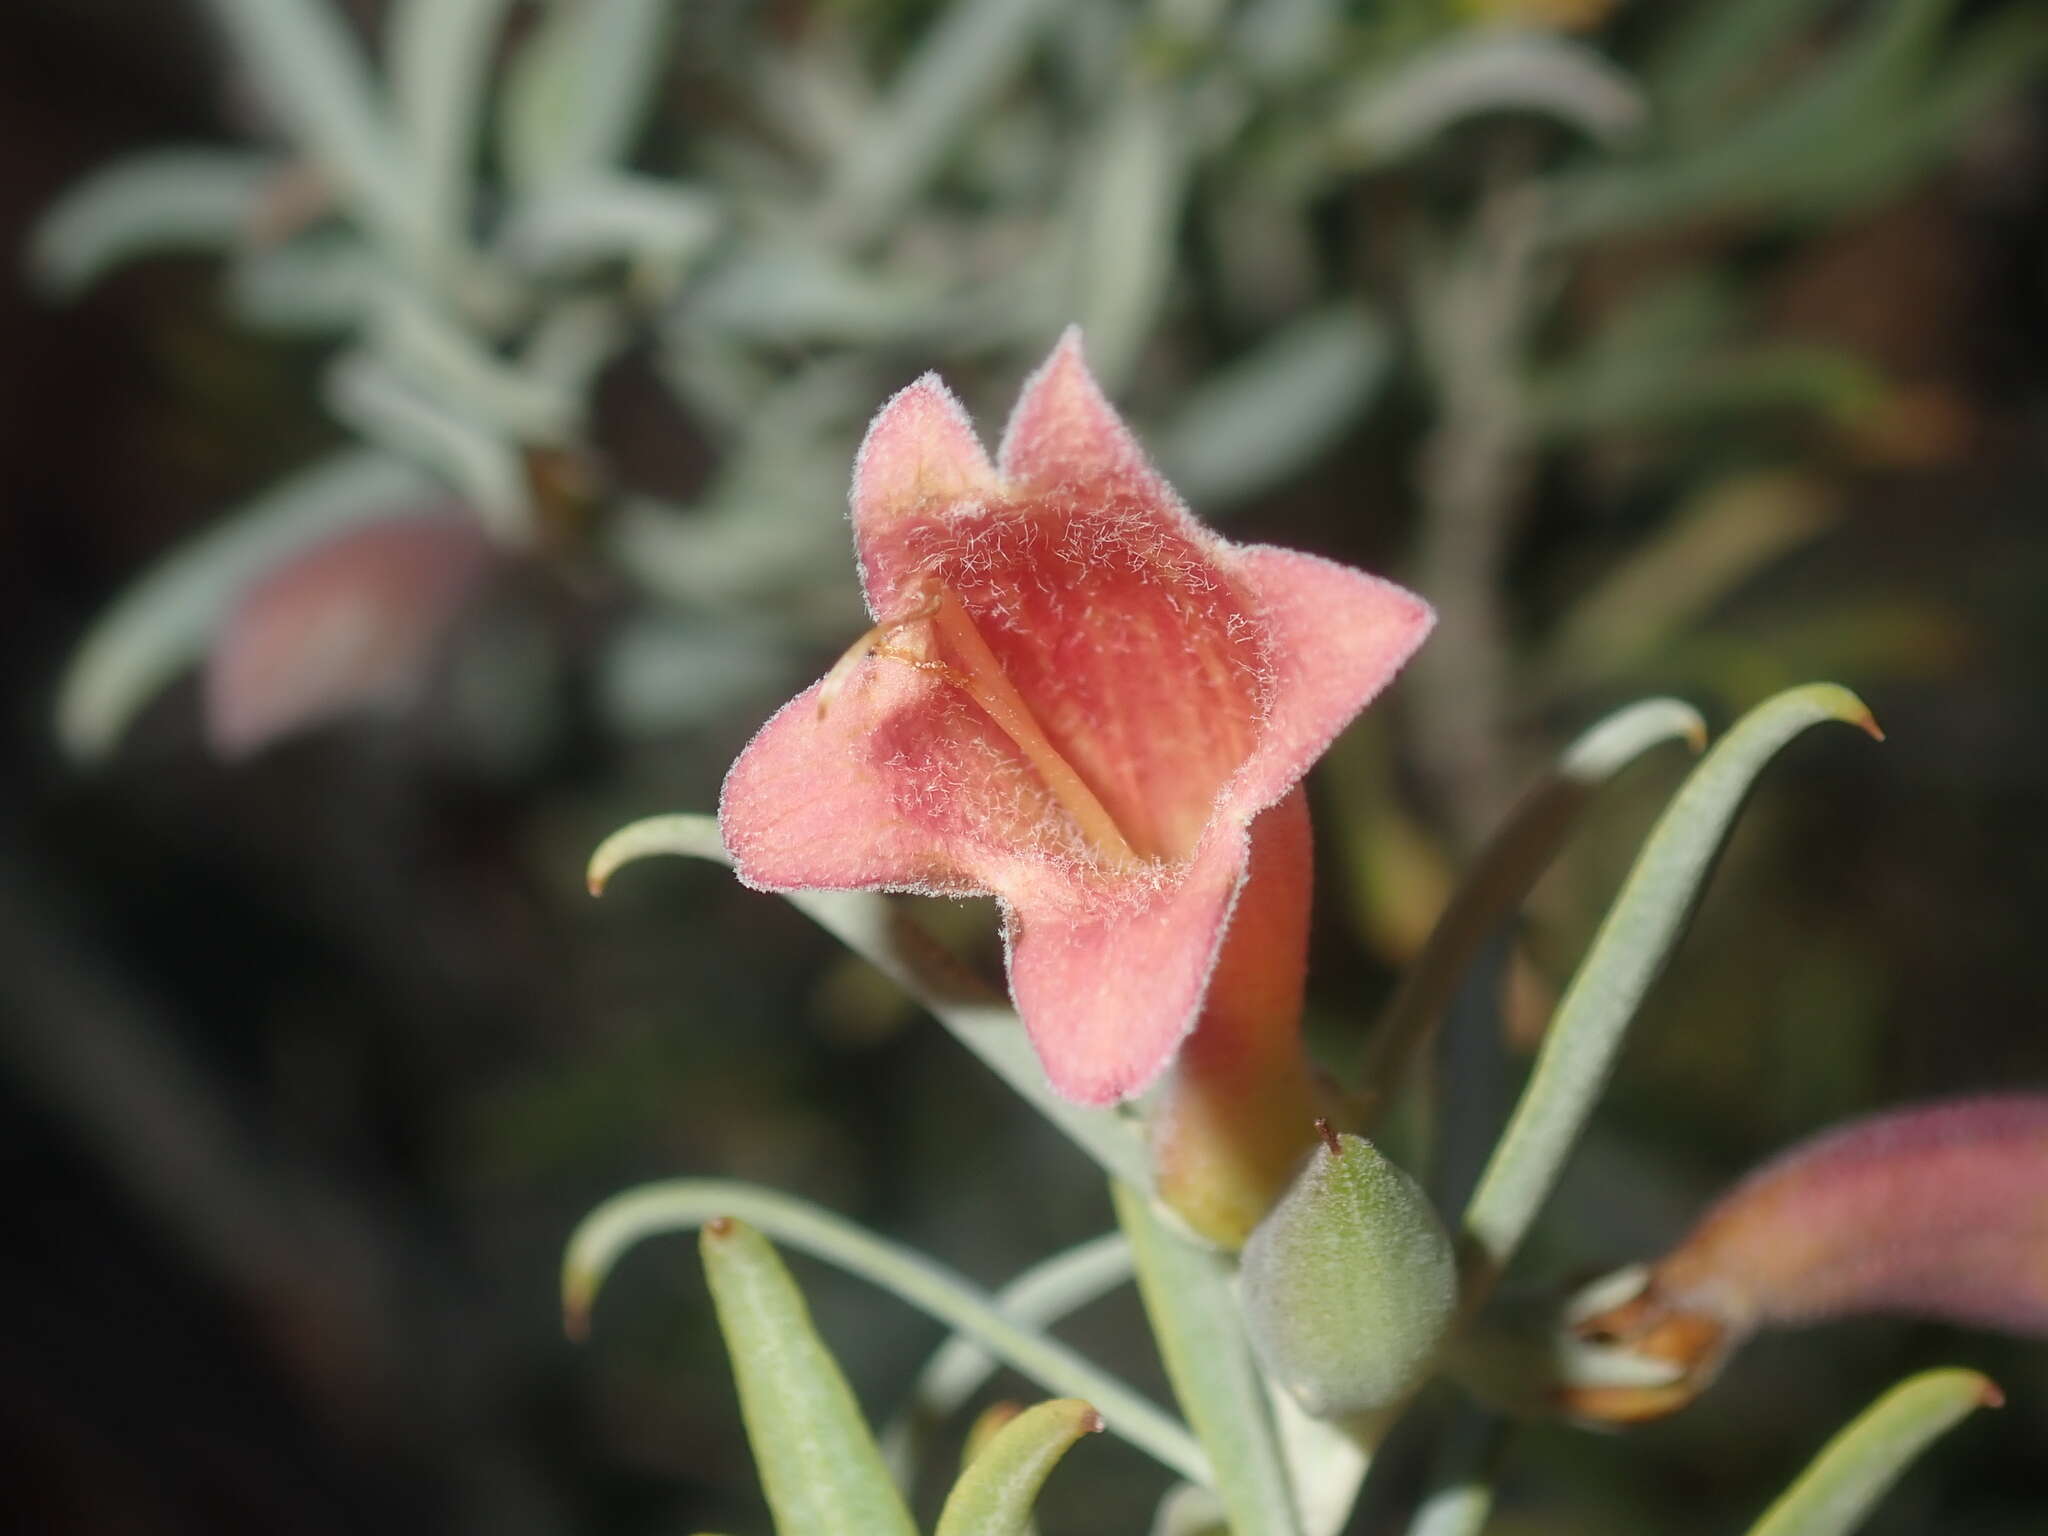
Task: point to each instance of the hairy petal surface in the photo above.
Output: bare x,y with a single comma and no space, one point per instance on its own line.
1335,637
1108,995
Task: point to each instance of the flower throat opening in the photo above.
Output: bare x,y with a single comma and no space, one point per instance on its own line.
976,672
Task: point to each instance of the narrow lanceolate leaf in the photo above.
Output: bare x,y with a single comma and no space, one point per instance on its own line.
1505,871
1486,71
968,55
579,90
890,940
661,225
1704,62
622,1221
1271,413
1123,231
1858,1467
818,1464
440,53
480,460
1038,1298
995,1493
164,200
1201,1337
165,622
314,77
1627,955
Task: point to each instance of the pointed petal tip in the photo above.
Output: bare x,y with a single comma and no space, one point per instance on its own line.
1064,430
920,447
1337,637
1108,997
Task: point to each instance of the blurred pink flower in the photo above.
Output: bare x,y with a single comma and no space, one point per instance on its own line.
1076,698
347,625
1933,1210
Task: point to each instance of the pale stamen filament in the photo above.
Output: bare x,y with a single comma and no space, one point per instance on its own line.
984,682
980,676
866,645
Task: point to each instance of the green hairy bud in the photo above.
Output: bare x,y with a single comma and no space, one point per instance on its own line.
1350,1283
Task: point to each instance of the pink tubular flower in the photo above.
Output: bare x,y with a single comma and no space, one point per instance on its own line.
1076,698
1930,1210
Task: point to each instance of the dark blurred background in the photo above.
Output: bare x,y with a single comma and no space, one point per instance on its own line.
315,1053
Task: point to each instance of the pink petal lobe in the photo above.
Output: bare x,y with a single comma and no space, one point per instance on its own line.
809,804
1107,991
1064,435
920,459
1335,637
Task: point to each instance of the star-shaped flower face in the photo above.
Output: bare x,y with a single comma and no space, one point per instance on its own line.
1075,698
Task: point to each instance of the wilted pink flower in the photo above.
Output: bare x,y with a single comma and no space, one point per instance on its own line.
1937,1211
348,624
1075,697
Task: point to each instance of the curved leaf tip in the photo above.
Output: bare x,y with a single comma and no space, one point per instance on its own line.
1626,957
1860,1464
1000,1483
689,836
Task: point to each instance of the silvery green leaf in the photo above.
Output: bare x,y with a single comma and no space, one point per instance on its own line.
312,74
579,89
1627,955
1648,389
1124,228
1269,414
997,1489
817,1462
446,361
164,199
1999,59
792,294
605,217
440,55
1481,71
1858,1467
1712,55
1283,40
482,465
1800,151
970,52
1493,888
165,621
317,284
572,341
